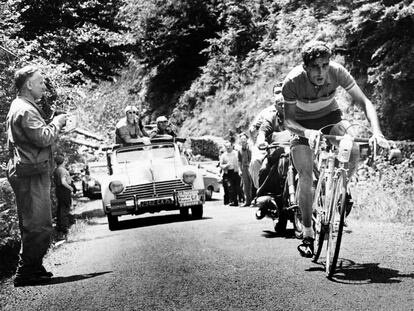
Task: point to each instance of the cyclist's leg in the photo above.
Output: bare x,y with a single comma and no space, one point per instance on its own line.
303,161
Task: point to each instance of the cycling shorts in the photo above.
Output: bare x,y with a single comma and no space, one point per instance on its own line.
330,119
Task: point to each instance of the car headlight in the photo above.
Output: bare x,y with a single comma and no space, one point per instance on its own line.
189,177
116,186
91,183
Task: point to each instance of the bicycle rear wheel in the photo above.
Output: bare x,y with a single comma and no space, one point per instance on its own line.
319,215
336,224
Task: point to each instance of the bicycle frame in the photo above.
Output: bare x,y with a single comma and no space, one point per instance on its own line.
329,203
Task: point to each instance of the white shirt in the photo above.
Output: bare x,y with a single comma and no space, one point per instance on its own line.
230,161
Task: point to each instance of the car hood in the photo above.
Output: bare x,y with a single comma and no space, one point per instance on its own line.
151,171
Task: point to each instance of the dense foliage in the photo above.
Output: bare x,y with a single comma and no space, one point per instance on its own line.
380,47
193,57
82,34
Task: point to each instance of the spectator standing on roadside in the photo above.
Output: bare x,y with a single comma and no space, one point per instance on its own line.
63,182
244,157
230,166
30,142
163,128
129,129
226,199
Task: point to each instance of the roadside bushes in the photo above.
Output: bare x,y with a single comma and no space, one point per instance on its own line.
9,229
386,192
208,146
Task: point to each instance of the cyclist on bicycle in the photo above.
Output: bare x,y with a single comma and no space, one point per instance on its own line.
309,95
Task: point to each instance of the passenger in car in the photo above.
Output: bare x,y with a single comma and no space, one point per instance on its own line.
163,128
129,129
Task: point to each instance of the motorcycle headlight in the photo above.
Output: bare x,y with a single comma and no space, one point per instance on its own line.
116,186
189,177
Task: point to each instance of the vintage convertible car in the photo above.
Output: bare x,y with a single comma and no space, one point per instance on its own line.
211,177
149,178
91,186
212,183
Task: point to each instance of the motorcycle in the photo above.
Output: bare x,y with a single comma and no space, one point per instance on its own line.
276,197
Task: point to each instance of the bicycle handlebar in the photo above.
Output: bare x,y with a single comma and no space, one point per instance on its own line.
339,137
274,145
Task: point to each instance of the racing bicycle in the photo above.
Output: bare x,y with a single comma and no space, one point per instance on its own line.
330,204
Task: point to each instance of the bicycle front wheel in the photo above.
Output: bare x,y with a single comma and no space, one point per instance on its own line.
319,215
336,224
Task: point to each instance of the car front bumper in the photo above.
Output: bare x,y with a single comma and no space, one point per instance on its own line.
135,205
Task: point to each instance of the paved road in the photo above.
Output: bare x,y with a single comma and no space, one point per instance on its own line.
226,261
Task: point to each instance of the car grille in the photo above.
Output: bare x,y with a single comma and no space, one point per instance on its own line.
153,190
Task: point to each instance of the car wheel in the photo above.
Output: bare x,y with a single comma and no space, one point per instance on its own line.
197,211
112,222
209,193
184,212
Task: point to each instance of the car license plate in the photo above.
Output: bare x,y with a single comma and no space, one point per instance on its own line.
186,198
155,202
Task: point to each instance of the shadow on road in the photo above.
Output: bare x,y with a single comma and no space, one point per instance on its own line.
154,221
289,234
349,272
72,278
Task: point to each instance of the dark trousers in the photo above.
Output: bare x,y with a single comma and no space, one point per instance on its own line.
232,181
226,183
64,202
35,219
247,184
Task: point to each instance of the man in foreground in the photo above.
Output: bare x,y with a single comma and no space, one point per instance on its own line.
28,171
309,95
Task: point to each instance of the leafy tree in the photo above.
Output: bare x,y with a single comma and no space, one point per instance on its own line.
169,36
83,34
380,45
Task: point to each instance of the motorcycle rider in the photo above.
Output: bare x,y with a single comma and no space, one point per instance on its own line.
271,130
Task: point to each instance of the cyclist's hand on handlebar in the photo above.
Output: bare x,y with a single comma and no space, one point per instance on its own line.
380,140
312,136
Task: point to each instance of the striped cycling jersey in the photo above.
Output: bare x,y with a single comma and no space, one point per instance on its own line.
312,101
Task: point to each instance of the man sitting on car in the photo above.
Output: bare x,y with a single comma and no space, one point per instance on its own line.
163,128
129,130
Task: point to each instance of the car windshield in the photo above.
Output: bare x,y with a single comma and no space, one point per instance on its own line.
98,170
145,153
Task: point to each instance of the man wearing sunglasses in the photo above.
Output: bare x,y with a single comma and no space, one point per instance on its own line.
128,130
163,128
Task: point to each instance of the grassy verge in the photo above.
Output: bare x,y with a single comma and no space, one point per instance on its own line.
385,193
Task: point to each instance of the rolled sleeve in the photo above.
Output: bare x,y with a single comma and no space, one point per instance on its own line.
344,78
289,92
267,125
37,131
